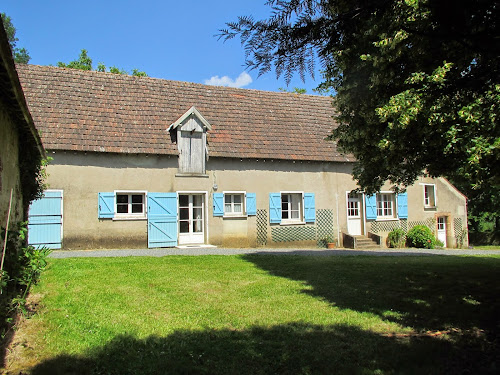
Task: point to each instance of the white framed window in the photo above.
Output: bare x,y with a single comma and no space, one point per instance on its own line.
385,206
429,195
234,203
291,207
130,204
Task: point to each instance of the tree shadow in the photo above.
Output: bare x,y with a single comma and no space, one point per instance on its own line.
425,293
295,348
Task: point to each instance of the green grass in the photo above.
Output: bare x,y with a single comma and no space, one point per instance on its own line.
487,247
264,315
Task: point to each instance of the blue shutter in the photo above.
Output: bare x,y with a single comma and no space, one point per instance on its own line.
403,206
309,208
218,199
45,221
106,205
251,204
371,207
275,207
162,219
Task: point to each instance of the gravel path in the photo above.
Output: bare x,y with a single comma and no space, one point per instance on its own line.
222,251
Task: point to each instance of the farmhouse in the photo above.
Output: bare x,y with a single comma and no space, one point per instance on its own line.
139,162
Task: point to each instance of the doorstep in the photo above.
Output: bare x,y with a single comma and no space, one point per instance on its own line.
196,246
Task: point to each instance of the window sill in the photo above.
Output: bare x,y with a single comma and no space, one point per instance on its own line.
387,219
430,208
129,217
203,175
235,216
291,222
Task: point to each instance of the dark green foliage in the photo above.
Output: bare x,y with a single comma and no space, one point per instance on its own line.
84,62
22,268
396,238
21,55
420,236
417,81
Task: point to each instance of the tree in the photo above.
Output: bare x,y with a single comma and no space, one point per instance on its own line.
21,55
417,81
84,62
417,85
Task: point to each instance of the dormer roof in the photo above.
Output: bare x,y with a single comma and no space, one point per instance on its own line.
191,112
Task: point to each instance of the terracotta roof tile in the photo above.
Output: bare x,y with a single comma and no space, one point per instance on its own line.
104,112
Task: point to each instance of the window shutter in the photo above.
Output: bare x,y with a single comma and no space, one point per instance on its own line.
251,204
218,201
275,208
309,208
403,206
371,207
106,205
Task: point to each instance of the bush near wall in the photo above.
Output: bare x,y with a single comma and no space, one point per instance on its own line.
420,236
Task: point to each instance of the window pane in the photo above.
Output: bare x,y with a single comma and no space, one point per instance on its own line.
197,200
238,208
197,226
184,226
121,198
237,198
122,208
137,198
183,200
197,212
227,198
137,208
227,208
184,213
295,215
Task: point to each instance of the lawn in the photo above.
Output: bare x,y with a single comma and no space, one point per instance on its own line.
256,314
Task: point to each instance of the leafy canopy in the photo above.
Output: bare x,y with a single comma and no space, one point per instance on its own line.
84,62
21,55
417,82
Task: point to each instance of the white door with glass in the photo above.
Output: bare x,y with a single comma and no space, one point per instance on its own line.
441,229
191,218
354,219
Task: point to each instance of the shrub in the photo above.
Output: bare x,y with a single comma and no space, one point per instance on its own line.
421,236
396,238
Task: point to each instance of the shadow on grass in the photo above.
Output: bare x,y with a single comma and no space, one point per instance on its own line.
425,293
286,349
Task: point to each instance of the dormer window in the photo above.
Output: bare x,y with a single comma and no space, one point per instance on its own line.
191,131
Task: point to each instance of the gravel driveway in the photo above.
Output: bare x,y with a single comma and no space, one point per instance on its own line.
290,251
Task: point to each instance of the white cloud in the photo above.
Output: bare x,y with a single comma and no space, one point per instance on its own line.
242,80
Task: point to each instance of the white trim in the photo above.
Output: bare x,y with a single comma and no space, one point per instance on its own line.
243,213
131,216
205,213
434,192
301,219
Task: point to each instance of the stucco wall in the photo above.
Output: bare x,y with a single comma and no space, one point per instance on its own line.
83,175
9,170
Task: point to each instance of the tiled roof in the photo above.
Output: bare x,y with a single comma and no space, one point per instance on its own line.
104,112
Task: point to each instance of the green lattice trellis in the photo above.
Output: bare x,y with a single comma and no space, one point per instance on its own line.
293,233
261,227
324,223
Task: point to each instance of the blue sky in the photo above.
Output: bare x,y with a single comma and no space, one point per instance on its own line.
168,39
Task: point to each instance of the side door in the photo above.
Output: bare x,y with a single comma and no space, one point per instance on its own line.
45,219
162,219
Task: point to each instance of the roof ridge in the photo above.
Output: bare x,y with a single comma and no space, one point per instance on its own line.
129,76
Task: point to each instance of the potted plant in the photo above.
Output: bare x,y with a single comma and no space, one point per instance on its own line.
330,241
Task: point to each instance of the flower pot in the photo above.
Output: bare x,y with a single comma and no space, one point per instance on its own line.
330,245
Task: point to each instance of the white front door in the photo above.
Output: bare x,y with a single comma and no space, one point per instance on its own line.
191,222
441,229
354,226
